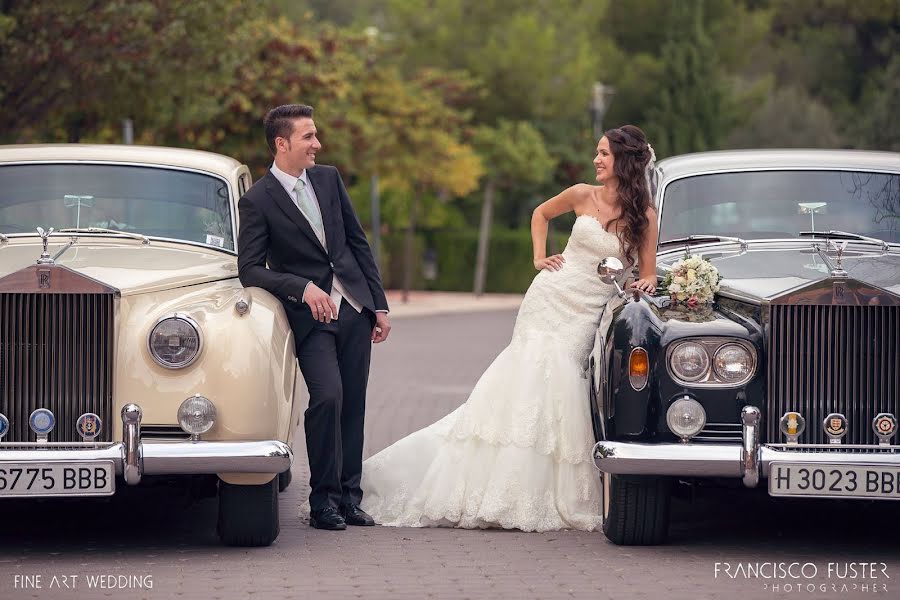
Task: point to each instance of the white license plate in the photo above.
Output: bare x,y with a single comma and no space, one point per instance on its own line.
836,481
94,478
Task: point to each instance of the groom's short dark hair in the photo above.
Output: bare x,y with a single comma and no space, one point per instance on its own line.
279,121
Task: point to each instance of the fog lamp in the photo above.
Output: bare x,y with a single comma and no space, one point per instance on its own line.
196,415
686,418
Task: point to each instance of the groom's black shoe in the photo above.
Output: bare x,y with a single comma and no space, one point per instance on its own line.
354,515
327,518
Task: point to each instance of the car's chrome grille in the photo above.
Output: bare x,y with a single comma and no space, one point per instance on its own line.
56,353
824,359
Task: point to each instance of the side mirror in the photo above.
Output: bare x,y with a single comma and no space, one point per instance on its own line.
610,269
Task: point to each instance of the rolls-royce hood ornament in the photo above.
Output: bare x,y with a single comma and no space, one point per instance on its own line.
45,238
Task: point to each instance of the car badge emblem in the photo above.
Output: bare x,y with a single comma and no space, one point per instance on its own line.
792,425
885,426
4,426
42,422
43,279
88,426
835,427
45,255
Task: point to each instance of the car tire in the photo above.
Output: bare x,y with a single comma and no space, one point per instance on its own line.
284,480
636,509
248,514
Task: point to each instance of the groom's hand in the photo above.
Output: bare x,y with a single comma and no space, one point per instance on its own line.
320,303
382,327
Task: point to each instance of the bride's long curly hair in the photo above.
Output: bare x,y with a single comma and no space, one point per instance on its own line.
632,154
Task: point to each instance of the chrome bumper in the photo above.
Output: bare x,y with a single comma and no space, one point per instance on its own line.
748,460
134,458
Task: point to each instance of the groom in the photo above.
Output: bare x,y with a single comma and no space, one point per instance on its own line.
298,219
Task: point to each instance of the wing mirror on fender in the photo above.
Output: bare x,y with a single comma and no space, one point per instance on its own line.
610,269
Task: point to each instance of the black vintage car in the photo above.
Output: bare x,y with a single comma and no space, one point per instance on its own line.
790,379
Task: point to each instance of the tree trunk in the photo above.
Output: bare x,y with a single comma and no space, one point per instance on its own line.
409,248
484,237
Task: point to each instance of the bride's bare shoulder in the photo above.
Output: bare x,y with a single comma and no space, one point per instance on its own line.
580,193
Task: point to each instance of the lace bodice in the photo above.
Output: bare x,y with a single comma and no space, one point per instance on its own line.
566,305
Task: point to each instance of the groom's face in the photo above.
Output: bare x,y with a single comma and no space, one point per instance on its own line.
300,148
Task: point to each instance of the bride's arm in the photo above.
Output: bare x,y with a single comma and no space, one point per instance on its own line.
555,206
647,256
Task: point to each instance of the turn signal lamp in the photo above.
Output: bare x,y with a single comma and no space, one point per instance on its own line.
638,369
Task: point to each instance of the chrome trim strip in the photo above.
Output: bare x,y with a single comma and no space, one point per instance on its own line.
133,458
687,460
715,460
172,458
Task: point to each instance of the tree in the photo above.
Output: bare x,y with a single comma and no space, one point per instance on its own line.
789,118
693,112
513,152
73,69
535,61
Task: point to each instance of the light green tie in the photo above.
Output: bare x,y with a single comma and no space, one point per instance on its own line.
308,207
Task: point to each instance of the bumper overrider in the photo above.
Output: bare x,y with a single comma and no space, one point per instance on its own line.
749,460
134,458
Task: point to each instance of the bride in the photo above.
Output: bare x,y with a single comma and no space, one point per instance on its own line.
516,454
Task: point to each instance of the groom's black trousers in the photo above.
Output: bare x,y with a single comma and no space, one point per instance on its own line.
334,359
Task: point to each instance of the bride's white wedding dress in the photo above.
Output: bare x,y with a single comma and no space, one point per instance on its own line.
517,453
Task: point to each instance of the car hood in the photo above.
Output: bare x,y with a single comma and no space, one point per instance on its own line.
128,266
769,271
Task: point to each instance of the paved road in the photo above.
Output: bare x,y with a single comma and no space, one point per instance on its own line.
427,368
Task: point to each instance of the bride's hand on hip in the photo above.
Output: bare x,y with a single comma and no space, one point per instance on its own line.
646,284
551,263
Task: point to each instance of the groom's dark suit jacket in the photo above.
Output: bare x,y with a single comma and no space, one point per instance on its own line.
274,231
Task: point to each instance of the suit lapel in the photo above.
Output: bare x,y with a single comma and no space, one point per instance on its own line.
287,206
325,195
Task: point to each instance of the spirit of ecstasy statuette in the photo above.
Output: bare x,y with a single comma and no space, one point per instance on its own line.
45,255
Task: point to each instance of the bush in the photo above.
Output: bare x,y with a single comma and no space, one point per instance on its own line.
510,269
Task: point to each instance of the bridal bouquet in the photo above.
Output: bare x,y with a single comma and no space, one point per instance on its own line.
693,280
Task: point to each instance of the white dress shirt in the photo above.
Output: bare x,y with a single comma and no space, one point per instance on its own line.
289,182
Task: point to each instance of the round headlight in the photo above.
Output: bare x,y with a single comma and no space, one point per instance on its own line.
175,342
689,361
196,415
732,363
686,418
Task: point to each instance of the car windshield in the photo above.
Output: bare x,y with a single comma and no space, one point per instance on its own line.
152,201
780,204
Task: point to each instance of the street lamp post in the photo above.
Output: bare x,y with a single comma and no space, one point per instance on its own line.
601,97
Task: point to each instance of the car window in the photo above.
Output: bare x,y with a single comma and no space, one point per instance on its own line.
159,202
777,204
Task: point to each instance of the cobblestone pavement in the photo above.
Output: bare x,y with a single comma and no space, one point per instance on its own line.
423,372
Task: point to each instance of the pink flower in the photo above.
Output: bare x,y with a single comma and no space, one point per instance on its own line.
692,302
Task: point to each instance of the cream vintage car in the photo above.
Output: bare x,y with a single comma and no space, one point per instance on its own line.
128,348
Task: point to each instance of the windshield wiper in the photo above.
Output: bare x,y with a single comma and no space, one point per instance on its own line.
846,235
704,237
135,236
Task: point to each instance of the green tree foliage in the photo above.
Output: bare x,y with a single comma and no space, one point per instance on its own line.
71,68
694,109
514,153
